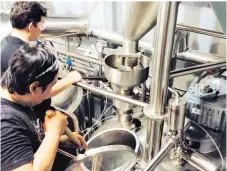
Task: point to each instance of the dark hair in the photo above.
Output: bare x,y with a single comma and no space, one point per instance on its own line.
25,66
24,12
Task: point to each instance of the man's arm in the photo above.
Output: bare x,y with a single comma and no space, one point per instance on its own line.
64,83
45,155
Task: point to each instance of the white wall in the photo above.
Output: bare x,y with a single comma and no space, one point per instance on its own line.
108,15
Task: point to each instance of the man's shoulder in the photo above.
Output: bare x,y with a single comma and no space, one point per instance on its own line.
11,43
12,111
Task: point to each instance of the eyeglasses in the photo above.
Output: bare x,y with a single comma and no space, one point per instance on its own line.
41,26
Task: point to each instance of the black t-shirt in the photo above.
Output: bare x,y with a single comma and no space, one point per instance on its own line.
9,45
21,135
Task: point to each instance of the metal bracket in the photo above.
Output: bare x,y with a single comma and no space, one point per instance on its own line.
156,117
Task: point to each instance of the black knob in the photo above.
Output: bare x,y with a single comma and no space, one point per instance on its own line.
81,150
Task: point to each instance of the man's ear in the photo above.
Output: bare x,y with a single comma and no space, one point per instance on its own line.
33,87
30,26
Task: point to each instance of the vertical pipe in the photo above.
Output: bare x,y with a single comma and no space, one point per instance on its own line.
143,97
166,23
130,47
101,96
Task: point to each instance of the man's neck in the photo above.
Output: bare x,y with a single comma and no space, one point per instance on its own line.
23,100
21,34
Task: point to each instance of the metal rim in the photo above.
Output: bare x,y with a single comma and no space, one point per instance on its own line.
110,148
107,66
117,129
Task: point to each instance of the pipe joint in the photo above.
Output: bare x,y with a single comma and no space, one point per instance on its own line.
156,117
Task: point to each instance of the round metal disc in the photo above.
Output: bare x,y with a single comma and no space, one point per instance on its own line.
111,158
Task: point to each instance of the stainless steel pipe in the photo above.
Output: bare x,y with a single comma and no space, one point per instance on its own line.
59,25
161,154
83,58
111,95
201,162
201,31
173,74
198,57
116,38
189,55
130,47
165,28
62,42
198,68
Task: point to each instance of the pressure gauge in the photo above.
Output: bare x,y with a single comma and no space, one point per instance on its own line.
100,45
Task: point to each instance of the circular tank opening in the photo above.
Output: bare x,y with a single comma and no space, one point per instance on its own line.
115,137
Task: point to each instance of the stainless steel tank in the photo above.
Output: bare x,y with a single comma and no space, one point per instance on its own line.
114,132
70,98
115,136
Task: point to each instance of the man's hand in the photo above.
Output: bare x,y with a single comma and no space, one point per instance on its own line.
64,139
74,77
55,122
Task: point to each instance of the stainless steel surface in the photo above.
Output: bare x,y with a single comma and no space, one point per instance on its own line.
126,72
202,163
106,35
116,38
110,157
70,98
130,47
219,9
139,18
195,69
73,117
83,58
165,28
198,57
111,95
139,133
59,25
201,31
66,154
176,120
161,154
114,136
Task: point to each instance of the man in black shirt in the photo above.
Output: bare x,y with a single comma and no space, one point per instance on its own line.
28,81
28,20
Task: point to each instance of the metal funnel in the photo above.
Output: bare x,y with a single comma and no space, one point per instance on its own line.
139,18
